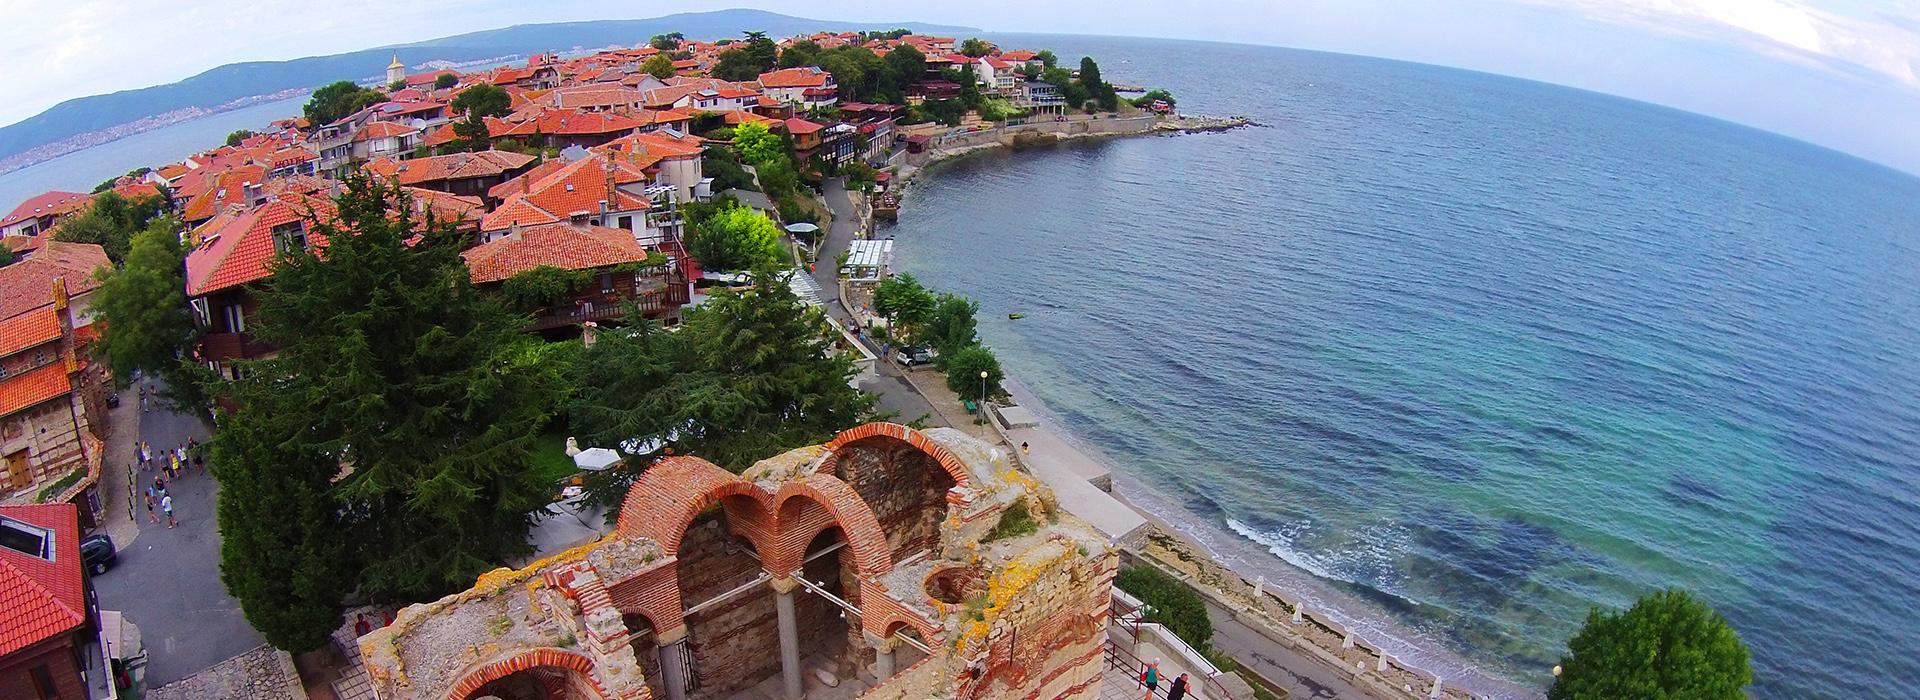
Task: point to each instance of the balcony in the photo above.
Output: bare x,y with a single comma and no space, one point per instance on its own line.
219,347
658,299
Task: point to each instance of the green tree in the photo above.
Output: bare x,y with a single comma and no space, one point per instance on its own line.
7,256
1170,602
110,222
904,302
952,325
1047,58
756,143
658,65
1668,645
391,362
543,285
735,238
1146,100
748,376
748,59
483,100
333,101
976,47
471,134
964,368
801,53
282,553
397,85
1096,89
146,325
969,87
903,66
666,42
445,80
239,135
855,70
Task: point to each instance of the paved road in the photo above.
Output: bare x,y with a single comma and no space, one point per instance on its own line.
839,235
1302,678
167,581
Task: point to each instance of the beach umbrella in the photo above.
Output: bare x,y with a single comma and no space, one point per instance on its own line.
596,459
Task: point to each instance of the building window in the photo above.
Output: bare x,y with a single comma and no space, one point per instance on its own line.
290,237
43,683
25,538
626,222
606,283
233,318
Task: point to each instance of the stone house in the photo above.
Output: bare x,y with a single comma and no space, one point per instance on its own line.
619,270
51,398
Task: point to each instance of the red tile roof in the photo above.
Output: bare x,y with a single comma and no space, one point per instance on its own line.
32,388
40,205
551,192
24,331
237,249
798,126
454,166
40,598
1020,55
803,77
380,130
559,245
28,284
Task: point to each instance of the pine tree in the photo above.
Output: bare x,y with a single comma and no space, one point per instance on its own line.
394,365
1668,645
281,550
747,376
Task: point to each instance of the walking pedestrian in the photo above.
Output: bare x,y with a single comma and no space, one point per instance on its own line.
166,505
1024,449
1178,690
1149,674
150,506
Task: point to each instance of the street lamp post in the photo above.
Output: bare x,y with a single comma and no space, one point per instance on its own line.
983,387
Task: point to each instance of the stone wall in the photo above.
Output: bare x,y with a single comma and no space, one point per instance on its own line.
734,644
906,489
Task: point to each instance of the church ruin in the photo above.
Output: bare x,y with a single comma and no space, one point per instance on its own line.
866,567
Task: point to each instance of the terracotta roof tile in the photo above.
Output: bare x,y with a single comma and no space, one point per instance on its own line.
241,249
40,205
37,327
803,77
453,166
29,283
559,245
33,387
40,598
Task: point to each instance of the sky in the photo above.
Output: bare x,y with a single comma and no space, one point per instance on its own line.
1840,73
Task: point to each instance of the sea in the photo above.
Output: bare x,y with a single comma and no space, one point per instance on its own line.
1460,357
1456,357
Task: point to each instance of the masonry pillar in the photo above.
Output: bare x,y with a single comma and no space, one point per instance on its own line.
673,662
789,635
882,657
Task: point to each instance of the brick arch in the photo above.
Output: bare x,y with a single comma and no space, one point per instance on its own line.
887,626
544,657
667,497
841,506
900,433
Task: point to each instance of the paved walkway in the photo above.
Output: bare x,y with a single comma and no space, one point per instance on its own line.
167,580
1301,677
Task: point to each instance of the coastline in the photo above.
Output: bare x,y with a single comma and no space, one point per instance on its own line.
1298,612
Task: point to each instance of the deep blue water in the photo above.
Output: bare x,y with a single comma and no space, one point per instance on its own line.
1464,355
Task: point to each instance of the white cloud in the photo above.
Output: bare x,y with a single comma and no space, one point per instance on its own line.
1880,40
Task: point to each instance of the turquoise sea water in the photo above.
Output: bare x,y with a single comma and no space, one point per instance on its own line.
1463,356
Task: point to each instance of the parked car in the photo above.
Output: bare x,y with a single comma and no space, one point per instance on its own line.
113,399
910,357
96,551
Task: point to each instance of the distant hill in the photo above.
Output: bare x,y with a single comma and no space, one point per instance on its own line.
236,80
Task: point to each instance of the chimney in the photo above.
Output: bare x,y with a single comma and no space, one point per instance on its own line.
513,231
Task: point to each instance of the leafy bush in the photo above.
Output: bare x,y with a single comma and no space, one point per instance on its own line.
735,238
1668,645
542,286
1016,521
963,373
1146,100
794,210
1171,602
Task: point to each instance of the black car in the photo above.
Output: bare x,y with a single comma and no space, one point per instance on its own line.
97,552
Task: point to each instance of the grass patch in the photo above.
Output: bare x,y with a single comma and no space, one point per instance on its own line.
1173,603
550,458
1016,521
55,488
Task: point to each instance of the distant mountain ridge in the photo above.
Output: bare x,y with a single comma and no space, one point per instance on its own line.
237,80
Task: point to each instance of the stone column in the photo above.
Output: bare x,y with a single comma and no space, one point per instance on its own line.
882,657
789,635
673,662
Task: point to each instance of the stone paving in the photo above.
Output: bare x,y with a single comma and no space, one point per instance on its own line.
264,673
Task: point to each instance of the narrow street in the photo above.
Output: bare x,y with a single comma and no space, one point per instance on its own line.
167,580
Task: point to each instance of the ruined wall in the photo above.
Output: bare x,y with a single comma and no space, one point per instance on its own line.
906,489
736,643
1040,633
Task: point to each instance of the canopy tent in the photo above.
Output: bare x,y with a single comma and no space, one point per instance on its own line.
868,260
596,459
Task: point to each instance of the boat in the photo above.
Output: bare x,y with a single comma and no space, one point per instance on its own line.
1015,316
